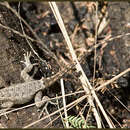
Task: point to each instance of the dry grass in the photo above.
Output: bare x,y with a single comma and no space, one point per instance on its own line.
90,93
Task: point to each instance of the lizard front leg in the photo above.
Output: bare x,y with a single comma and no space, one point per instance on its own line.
28,68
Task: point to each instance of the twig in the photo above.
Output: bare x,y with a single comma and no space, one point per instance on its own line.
113,79
74,32
84,80
118,36
78,100
114,118
20,34
63,112
119,101
80,58
33,104
27,39
64,101
95,42
59,115
74,57
44,47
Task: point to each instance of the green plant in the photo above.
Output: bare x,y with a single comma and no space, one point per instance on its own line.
78,122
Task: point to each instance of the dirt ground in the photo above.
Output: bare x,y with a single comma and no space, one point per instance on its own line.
112,58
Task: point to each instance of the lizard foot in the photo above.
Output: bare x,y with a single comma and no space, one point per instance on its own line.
45,108
6,106
2,112
43,102
28,68
27,59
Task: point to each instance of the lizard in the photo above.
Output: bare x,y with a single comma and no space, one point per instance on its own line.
31,89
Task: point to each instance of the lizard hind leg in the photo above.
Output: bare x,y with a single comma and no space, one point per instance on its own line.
5,107
42,102
47,100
